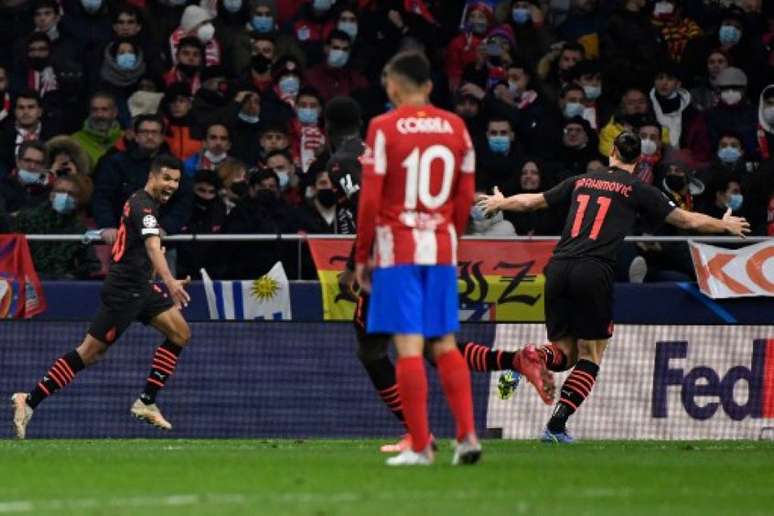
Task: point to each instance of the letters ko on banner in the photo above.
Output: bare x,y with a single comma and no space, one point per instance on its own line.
744,272
497,280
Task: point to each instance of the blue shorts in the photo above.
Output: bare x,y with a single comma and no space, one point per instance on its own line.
414,299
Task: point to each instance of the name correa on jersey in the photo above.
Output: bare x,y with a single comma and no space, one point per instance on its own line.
424,125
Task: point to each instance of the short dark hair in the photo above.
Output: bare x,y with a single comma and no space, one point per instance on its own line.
36,37
28,94
129,9
141,119
221,124
342,115
207,176
113,48
499,118
629,147
279,152
567,88
104,94
340,35
412,66
34,144
575,46
190,41
165,161
49,4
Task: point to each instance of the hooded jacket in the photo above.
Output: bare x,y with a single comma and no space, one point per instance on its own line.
72,148
678,120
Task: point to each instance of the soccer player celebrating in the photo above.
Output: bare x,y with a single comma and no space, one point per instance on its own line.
579,276
418,180
128,294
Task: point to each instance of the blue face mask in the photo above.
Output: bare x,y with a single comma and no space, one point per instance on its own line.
250,119
729,154
572,109
63,203
289,85
337,58
321,5
308,116
262,23
735,201
521,15
499,144
477,214
729,35
478,27
91,6
284,179
349,28
232,6
126,61
28,178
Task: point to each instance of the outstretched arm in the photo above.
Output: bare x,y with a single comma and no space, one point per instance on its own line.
705,224
519,202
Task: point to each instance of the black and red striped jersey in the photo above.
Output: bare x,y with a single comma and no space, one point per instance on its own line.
131,265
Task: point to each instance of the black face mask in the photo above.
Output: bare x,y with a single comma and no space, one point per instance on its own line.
38,63
676,183
326,197
187,70
239,188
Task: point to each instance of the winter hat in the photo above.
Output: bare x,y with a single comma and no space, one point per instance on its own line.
193,16
505,32
731,76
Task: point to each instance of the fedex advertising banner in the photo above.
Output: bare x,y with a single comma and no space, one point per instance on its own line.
657,382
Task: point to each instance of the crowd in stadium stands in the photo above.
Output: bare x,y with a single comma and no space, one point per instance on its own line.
92,90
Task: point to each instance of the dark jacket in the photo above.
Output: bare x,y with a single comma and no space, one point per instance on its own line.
204,220
123,173
17,196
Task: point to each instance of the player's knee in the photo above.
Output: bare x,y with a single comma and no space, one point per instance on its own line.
590,351
91,352
181,335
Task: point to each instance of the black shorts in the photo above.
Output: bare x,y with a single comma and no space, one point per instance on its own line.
579,299
376,343
120,307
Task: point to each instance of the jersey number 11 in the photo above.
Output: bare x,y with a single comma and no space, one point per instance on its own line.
583,203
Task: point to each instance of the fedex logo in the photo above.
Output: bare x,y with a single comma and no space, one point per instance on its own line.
703,391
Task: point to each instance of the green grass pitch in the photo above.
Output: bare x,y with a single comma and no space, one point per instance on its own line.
332,477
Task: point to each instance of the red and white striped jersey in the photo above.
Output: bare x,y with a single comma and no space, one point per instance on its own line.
417,187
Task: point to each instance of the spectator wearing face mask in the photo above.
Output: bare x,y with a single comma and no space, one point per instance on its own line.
533,35
497,155
26,125
61,214
47,18
29,184
571,104
123,65
287,76
217,143
633,102
556,69
262,212
306,128
335,76
480,224
128,23
654,150
322,213
462,50
281,163
516,98
729,158
197,23
597,107
765,133
725,192
88,23
67,157
232,175
735,39
208,216
733,112
247,122
494,55
309,27
346,20
188,67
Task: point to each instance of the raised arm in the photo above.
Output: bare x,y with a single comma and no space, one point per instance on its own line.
519,202
702,223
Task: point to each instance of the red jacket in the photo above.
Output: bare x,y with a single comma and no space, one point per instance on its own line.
460,53
330,82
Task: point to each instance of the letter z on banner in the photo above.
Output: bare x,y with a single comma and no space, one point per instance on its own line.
744,272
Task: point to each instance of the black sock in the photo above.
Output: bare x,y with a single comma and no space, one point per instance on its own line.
485,359
382,375
164,362
59,374
575,389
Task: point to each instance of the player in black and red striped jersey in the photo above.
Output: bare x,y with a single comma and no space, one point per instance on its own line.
579,277
129,294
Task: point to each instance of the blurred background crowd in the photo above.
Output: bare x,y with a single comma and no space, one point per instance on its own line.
92,90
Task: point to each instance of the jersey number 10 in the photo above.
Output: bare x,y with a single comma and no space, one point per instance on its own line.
583,203
417,166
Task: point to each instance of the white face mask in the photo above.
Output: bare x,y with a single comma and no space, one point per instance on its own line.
648,147
205,33
768,114
214,158
731,97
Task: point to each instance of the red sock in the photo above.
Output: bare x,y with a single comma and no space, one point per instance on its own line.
412,386
455,379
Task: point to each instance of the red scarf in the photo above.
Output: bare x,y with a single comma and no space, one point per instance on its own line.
763,143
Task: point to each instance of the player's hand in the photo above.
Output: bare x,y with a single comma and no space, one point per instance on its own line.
363,277
109,235
347,283
736,225
490,203
177,291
